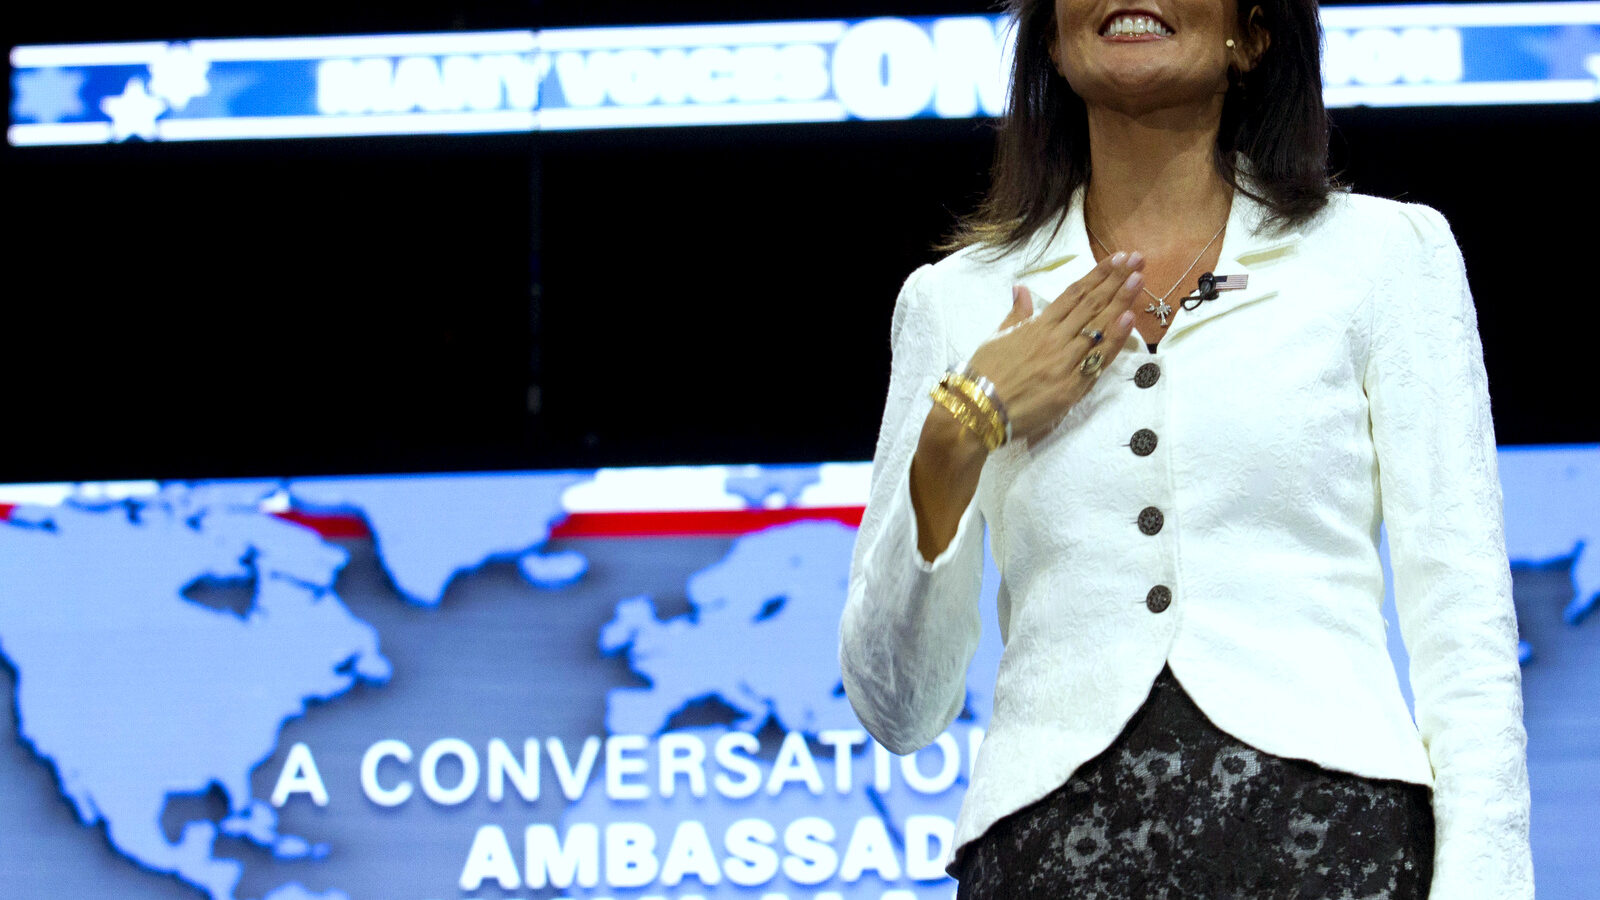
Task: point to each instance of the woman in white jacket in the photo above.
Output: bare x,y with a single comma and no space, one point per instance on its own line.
1183,484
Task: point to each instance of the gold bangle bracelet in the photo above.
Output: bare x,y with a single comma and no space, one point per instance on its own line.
986,426
979,393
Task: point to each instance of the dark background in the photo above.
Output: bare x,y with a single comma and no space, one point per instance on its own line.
603,298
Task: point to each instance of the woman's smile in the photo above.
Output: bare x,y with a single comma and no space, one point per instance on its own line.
1134,26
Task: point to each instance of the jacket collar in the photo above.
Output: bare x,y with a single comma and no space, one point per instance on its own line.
1050,263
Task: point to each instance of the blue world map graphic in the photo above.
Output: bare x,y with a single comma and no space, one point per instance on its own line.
176,657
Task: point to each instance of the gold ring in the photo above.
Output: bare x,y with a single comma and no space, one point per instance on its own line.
1091,363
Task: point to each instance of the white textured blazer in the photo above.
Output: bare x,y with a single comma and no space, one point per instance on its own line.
1343,388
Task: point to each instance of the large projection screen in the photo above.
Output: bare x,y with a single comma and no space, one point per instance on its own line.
605,683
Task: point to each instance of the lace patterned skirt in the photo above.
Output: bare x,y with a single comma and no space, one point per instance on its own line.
1178,808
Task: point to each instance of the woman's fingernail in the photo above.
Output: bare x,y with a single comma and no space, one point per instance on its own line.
1134,280
1016,292
1118,257
1125,319
1136,259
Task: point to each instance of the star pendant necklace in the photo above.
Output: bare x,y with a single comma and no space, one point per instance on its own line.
1159,307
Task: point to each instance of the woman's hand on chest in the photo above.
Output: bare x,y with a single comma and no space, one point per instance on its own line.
1042,364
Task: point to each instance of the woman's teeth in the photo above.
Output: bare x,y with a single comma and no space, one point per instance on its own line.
1133,25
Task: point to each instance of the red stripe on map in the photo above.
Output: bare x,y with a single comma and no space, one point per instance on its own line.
584,525
329,525
706,523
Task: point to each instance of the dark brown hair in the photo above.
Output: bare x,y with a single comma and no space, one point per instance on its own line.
1272,115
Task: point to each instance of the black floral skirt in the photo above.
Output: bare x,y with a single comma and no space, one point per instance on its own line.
1178,808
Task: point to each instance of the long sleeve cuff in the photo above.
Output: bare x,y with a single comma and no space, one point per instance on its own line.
910,625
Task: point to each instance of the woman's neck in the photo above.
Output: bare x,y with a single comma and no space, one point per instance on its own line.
1153,182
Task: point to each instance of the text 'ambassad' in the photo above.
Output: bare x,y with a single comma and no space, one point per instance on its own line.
783,832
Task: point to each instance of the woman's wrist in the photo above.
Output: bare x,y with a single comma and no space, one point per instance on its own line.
948,445
944,479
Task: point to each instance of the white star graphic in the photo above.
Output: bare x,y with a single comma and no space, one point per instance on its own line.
178,76
48,95
133,112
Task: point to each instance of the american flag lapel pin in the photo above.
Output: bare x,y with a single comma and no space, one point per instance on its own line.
1211,285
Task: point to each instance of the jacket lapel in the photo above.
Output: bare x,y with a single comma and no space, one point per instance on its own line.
1052,263
1247,249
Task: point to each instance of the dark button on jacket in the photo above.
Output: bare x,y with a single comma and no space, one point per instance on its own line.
1159,598
1150,520
1143,442
1148,374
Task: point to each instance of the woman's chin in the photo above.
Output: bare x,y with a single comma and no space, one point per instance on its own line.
1142,94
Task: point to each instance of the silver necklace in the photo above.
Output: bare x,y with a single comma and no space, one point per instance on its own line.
1159,307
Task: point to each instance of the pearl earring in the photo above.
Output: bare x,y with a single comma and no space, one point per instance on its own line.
1229,44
